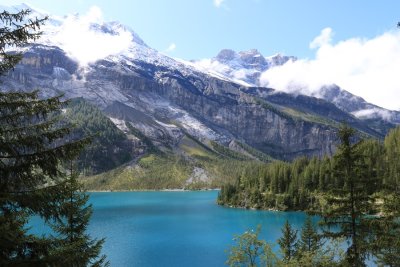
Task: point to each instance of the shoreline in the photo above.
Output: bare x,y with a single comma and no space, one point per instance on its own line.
153,190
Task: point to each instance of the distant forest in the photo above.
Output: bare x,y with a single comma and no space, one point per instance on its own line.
304,183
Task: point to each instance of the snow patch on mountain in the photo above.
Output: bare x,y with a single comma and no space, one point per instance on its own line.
193,126
216,71
120,124
151,105
196,128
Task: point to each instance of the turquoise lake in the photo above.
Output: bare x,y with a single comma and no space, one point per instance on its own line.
175,228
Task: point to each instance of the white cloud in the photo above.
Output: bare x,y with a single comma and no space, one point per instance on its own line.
323,39
171,47
365,67
372,113
218,3
85,43
213,65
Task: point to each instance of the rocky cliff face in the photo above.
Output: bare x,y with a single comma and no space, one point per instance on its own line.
247,67
165,101
357,105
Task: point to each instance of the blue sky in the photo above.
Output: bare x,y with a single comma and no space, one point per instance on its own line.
201,28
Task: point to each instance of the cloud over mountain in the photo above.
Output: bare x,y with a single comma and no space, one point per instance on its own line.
80,38
366,67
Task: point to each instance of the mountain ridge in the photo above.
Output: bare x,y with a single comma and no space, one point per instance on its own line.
230,64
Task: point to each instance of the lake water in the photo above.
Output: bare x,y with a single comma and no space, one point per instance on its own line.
175,228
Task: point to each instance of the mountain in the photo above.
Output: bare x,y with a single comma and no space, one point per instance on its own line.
357,105
246,67
177,113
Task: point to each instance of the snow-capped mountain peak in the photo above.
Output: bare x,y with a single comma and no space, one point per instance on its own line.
84,37
243,66
279,59
115,27
88,38
226,55
17,8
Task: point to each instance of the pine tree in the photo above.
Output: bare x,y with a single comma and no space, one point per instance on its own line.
392,156
31,151
350,204
71,225
387,230
33,146
387,233
288,242
310,240
15,32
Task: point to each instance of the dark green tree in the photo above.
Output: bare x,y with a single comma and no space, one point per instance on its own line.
71,225
387,233
391,158
387,229
33,147
288,242
15,31
350,204
310,240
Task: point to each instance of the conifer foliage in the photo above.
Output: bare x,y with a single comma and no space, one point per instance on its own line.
70,227
16,31
351,203
33,146
288,242
310,240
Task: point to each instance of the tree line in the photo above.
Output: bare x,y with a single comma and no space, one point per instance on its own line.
304,183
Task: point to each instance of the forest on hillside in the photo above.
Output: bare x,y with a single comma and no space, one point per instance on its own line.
304,183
